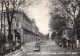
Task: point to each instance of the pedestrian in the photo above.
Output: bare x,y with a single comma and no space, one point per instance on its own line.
72,42
14,44
21,48
64,42
69,43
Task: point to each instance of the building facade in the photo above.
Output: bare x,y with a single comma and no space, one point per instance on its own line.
25,26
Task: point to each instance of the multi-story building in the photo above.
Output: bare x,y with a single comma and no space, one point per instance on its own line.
25,26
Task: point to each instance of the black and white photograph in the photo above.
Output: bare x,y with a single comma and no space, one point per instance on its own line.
39,27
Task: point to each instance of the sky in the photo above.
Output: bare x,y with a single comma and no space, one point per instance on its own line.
40,12
41,15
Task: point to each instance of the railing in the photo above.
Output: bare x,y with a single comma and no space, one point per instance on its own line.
27,26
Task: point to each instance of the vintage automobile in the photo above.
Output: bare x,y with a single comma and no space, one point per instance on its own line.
42,43
37,47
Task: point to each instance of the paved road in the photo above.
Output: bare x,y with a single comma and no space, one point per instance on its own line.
49,49
55,50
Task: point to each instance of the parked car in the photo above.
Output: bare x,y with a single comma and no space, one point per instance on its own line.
37,47
42,42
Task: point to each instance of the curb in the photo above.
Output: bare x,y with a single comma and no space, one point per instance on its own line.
13,53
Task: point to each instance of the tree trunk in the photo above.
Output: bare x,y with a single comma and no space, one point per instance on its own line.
10,37
9,32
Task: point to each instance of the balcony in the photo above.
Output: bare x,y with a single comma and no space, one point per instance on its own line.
27,26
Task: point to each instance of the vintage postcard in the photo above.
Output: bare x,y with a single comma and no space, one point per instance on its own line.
39,27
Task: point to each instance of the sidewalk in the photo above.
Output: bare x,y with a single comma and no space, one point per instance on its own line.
70,48
15,53
73,50
28,47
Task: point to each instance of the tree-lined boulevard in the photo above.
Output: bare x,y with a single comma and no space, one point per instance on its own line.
49,49
23,26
